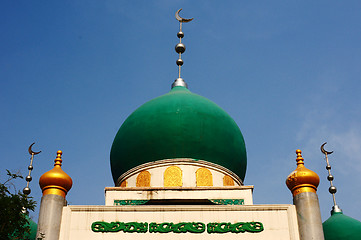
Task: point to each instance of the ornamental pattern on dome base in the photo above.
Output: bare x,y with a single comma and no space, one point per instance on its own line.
182,172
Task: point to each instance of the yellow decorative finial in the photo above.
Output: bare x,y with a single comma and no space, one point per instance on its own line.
56,181
299,158
302,179
58,160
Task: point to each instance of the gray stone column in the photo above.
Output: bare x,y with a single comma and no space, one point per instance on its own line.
309,216
51,209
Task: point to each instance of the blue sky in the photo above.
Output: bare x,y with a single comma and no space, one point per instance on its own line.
287,72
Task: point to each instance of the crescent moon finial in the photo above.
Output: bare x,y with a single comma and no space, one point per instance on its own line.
180,48
323,150
180,19
31,152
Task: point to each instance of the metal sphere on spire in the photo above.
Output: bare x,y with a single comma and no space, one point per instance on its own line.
26,190
179,62
180,48
180,35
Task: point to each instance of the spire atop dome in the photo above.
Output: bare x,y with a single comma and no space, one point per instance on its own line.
180,48
332,189
28,178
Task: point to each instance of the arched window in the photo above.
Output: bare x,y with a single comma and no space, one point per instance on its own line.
143,179
173,177
124,183
228,181
204,177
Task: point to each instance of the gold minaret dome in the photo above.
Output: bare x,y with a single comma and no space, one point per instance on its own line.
56,181
302,179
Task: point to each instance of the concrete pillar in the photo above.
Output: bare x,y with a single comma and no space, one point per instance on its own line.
51,208
309,216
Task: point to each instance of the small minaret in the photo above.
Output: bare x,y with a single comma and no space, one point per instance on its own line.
55,184
303,184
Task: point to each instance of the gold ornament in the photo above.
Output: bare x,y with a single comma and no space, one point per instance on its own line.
302,179
56,181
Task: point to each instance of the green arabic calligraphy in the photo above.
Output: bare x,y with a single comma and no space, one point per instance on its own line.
129,202
182,227
120,226
228,201
234,228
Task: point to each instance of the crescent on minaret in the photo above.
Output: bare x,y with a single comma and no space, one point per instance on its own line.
31,151
180,19
323,150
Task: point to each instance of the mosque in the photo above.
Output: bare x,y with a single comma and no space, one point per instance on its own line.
178,163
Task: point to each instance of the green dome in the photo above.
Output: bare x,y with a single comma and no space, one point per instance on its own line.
341,227
179,124
33,228
28,235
